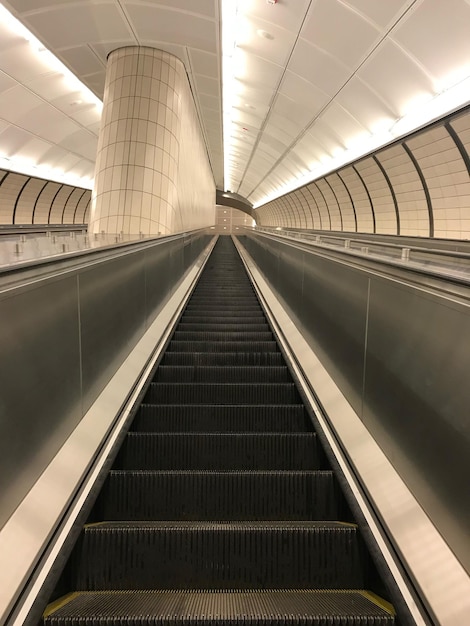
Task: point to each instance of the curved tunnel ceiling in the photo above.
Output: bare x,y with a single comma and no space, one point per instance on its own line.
317,82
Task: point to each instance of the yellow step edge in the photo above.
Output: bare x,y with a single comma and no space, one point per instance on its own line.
383,604
60,602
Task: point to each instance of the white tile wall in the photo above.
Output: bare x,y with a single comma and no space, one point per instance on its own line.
344,201
409,193
152,173
447,178
332,204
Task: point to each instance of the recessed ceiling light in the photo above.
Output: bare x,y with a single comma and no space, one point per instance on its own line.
249,106
264,34
76,103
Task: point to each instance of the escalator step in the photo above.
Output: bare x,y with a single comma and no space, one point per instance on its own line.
221,418
232,555
223,327
277,607
181,335
222,393
226,374
222,496
223,346
223,319
265,359
214,306
218,451
224,314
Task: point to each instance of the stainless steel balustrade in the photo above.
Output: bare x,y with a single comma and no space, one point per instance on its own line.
445,258
76,338
386,354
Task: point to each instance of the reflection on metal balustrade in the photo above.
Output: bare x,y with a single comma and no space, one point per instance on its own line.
422,255
18,248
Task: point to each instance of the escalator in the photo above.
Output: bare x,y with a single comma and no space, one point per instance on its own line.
221,507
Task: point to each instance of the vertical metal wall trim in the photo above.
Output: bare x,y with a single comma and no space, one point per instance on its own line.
316,205
287,203
86,209
299,199
392,191
425,187
324,200
458,142
366,335
301,192
4,177
66,202
13,219
350,197
368,195
76,207
52,203
37,199
337,202
293,201
293,209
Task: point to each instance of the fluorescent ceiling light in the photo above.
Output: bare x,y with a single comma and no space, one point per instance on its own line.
83,97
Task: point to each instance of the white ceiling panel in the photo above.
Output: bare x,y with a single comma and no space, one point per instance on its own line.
345,125
17,103
208,86
154,23
261,74
341,32
208,8
75,24
210,102
205,63
52,87
309,150
305,93
16,62
83,61
296,112
267,40
283,129
383,14
395,77
365,105
437,34
289,14
6,82
318,67
49,124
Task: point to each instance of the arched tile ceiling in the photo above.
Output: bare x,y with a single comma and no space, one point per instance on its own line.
318,82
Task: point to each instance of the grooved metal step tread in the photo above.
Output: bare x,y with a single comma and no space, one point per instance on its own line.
223,319
271,607
233,308
219,451
225,496
211,418
224,313
223,327
232,359
222,393
240,335
230,555
224,374
223,346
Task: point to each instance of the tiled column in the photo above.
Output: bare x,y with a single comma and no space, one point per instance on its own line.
138,147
